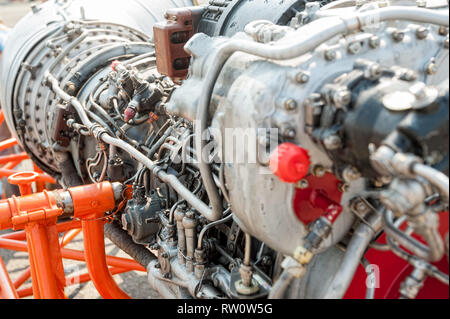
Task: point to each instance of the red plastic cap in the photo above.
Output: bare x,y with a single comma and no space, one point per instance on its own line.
114,64
290,163
129,114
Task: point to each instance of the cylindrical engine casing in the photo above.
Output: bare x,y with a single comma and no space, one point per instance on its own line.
40,43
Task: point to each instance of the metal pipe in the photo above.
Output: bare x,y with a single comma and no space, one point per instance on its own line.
172,180
435,177
279,288
355,251
412,244
211,225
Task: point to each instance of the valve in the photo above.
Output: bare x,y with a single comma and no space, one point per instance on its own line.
24,181
290,163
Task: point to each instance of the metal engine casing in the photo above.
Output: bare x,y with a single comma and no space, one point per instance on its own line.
251,93
116,29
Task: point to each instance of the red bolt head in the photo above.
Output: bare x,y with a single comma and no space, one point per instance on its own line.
290,163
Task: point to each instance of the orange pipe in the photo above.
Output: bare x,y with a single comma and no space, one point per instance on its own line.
11,165
13,158
8,144
94,251
2,115
44,263
70,236
61,227
75,255
27,273
37,210
70,281
7,289
22,278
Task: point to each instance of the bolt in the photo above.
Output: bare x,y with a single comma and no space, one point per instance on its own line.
303,184
351,174
302,77
342,98
432,68
374,42
421,3
319,171
167,276
330,55
158,266
361,207
443,30
408,75
354,47
289,132
332,142
398,35
374,71
344,187
290,105
422,33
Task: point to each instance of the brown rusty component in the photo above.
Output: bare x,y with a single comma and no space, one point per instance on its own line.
170,38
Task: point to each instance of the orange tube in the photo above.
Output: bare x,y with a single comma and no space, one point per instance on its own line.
94,250
72,280
75,255
22,278
43,262
7,144
13,158
7,289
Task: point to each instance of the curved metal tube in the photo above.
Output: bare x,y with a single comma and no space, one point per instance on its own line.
433,253
211,225
435,177
355,251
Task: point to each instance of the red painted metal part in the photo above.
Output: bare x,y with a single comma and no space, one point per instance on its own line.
392,269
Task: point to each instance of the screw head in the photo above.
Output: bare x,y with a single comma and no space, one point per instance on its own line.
290,104
289,132
342,98
443,30
398,35
374,42
422,33
319,171
303,184
354,47
432,68
330,55
302,77
332,142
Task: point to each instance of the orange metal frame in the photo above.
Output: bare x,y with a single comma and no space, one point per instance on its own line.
34,219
